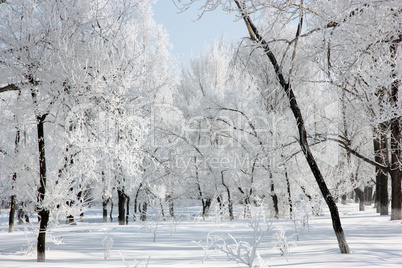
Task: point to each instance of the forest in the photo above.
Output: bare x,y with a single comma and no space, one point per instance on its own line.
303,114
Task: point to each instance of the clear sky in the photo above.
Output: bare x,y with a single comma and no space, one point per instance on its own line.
189,35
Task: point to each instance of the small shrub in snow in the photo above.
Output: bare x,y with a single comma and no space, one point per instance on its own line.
172,222
136,263
29,245
246,252
107,243
151,226
243,252
208,245
284,242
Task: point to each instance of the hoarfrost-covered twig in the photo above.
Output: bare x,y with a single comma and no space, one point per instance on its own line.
137,263
209,243
107,243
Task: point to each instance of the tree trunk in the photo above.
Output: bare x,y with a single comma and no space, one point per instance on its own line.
206,204
136,200
230,202
289,195
20,216
346,136
11,217
219,198
121,206
396,143
286,86
396,172
128,208
344,199
104,208
81,198
246,201
111,210
143,211
70,220
162,210
43,213
171,205
246,207
381,156
274,198
13,203
368,195
360,195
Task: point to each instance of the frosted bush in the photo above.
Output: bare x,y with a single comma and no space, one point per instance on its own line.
136,263
241,251
107,243
284,242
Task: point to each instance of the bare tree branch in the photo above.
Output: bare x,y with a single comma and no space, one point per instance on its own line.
345,146
10,87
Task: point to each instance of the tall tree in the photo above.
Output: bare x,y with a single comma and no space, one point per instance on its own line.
286,85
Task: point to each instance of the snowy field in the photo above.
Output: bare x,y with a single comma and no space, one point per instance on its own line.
375,241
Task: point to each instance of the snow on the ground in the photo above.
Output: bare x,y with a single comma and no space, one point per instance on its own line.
375,241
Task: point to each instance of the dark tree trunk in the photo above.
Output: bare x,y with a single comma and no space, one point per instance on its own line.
136,199
230,202
355,197
286,86
381,156
81,198
206,201
396,172
11,217
171,205
221,204
368,195
26,218
143,211
20,216
360,195
274,198
346,136
105,200
121,206
396,143
104,208
128,208
344,199
13,203
111,210
43,213
206,204
305,193
246,201
162,210
70,220
246,210
289,195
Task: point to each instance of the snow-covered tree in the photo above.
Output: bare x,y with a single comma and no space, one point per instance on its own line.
73,64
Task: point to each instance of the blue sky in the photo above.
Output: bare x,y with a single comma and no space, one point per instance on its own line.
189,35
